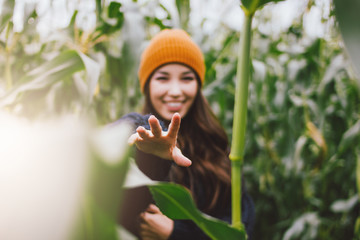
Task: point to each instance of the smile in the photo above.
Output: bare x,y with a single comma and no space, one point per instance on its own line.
174,106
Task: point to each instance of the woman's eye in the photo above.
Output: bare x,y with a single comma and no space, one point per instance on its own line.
161,78
188,78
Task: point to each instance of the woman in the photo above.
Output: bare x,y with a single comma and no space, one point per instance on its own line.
171,75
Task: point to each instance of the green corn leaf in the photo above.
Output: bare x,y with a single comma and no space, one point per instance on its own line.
109,165
92,69
113,9
65,64
183,8
357,227
176,202
61,67
350,137
98,8
94,224
6,13
358,181
112,21
250,6
347,14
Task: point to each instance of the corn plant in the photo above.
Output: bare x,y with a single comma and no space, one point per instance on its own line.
303,104
347,16
240,107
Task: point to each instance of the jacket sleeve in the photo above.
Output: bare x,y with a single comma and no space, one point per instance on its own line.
187,229
136,120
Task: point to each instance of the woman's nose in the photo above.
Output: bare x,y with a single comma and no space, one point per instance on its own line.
174,88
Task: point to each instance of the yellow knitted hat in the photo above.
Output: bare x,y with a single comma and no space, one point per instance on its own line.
170,46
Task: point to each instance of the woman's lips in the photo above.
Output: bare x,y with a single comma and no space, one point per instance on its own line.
174,106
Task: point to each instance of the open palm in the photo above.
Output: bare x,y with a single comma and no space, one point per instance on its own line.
160,143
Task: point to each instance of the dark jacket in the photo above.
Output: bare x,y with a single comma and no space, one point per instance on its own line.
136,200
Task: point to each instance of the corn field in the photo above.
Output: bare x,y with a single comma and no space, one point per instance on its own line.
302,154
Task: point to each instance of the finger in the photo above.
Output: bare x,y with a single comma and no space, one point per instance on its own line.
143,133
152,208
148,235
174,125
180,159
133,138
145,233
145,217
143,226
155,126
141,217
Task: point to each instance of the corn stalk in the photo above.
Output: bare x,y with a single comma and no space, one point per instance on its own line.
240,108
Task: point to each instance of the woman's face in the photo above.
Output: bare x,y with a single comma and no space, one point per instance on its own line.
173,88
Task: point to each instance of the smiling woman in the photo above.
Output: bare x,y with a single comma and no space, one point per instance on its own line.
184,130
173,88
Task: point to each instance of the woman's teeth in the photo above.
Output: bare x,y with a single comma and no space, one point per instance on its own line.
174,104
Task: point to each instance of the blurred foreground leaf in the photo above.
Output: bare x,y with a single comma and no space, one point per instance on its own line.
108,171
347,13
176,203
43,173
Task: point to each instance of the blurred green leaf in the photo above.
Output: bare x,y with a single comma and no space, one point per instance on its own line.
59,68
252,5
176,203
345,205
92,69
305,227
113,20
350,138
357,228
183,7
65,64
347,14
109,164
6,13
109,167
94,224
114,9
337,63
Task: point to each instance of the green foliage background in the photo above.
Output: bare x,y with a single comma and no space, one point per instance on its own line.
303,122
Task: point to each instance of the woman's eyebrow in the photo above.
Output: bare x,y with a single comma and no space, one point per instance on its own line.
188,72
164,73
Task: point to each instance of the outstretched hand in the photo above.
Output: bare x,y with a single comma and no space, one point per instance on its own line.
160,143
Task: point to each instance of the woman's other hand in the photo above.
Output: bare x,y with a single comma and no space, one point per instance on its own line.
160,143
155,225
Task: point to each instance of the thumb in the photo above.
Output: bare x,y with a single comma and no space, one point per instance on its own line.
152,208
179,158
133,138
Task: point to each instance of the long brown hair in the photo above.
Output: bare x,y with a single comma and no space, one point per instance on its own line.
202,139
